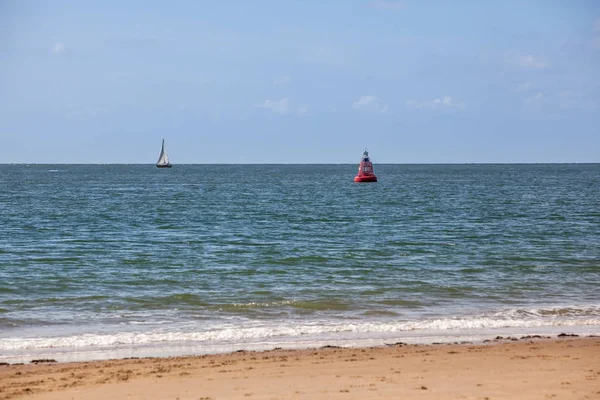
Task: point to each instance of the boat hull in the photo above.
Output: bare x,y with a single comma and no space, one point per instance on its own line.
364,178
164,166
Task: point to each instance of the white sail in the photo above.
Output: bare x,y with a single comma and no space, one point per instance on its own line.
163,159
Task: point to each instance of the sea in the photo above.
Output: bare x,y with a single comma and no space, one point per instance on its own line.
106,261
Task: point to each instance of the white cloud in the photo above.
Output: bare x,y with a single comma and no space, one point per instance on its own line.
302,110
282,80
445,102
537,100
564,100
388,5
524,87
369,103
527,61
279,106
570,99
365,101
58,48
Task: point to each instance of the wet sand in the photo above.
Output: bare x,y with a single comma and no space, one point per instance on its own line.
529,368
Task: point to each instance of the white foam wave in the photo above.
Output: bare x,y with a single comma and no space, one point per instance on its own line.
286,330
590,311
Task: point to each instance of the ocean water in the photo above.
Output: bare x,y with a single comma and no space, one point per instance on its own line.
100,261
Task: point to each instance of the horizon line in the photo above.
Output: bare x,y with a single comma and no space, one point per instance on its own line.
319,163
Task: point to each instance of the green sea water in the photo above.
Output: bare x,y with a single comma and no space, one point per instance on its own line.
105,260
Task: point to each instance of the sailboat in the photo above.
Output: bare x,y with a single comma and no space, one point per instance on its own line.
163,159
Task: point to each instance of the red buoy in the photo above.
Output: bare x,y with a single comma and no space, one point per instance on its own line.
365,170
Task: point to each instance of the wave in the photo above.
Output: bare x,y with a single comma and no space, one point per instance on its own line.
255,332
563,311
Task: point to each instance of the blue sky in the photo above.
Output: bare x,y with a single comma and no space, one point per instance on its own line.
300,81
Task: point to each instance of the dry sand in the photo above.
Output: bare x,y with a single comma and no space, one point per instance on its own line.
566,368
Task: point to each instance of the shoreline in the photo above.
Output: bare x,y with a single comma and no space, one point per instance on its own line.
85,346
528,367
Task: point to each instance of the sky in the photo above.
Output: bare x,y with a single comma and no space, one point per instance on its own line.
300,81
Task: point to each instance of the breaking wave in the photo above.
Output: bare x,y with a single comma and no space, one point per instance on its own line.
255,332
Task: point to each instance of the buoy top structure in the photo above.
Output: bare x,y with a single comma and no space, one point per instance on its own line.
365,170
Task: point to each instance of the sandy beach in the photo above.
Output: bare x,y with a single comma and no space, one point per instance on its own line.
529,368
